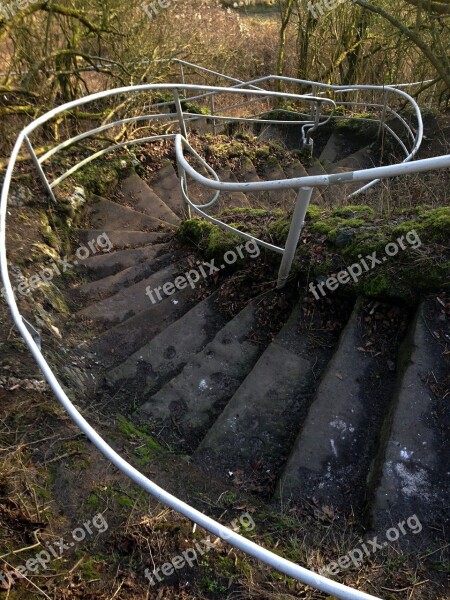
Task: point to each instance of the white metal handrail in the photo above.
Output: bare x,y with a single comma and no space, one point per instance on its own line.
304,185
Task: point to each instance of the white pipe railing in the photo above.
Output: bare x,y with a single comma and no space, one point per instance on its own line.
303,184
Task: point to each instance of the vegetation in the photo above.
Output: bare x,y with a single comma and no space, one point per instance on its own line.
51,477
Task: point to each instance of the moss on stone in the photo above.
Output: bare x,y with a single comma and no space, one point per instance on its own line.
99,177
211,239
431,224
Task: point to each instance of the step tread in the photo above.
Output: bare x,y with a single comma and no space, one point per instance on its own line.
103,265
415,475
117,343
128,301
362,159
336,146
271,171
197,395
170,350
166,185
122,240
107,286
143,199
259,420
231,199
105,213
343,422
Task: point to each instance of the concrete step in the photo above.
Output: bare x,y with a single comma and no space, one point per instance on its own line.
230,199
413,476
166,185
107,286
256,430
333,452
245,172
143,199
295,169
362,159
121,240
116,344
316,168
129,301
107,214
104,265
166,354
335,149
189,403
284,199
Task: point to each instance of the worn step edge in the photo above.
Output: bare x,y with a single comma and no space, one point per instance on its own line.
167,353
199,393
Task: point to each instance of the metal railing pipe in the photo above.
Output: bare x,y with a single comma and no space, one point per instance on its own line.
295,230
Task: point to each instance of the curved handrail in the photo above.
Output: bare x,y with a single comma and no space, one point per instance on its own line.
287,567
275,561
418,166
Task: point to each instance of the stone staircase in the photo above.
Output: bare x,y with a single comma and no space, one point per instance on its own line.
334,406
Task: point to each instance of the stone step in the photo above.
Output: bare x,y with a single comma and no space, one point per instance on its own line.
316,168
166,354
129,301
166,185
142,198
116,344
284,199
362,159
333,452
121,240
104,213
295,169
245,172
335,148
189,403
107,286
230,199
103,265
414,477
255,432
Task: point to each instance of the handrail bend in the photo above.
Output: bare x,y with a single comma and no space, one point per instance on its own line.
303,185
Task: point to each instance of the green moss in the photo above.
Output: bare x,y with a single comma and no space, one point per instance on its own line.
125,501
354,211
314,212
431,224
225,148
211,239
147,446
99,177
377,286
279,230
192,107
94,501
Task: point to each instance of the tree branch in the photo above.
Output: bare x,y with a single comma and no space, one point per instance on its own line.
412,35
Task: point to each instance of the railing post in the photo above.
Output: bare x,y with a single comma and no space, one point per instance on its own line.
298,220
40,171
179,110
212,114
383,114
183,79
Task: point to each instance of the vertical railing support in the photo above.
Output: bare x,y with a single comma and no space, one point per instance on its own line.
183,79
179,110
212,114
383,114
297,222
39,169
